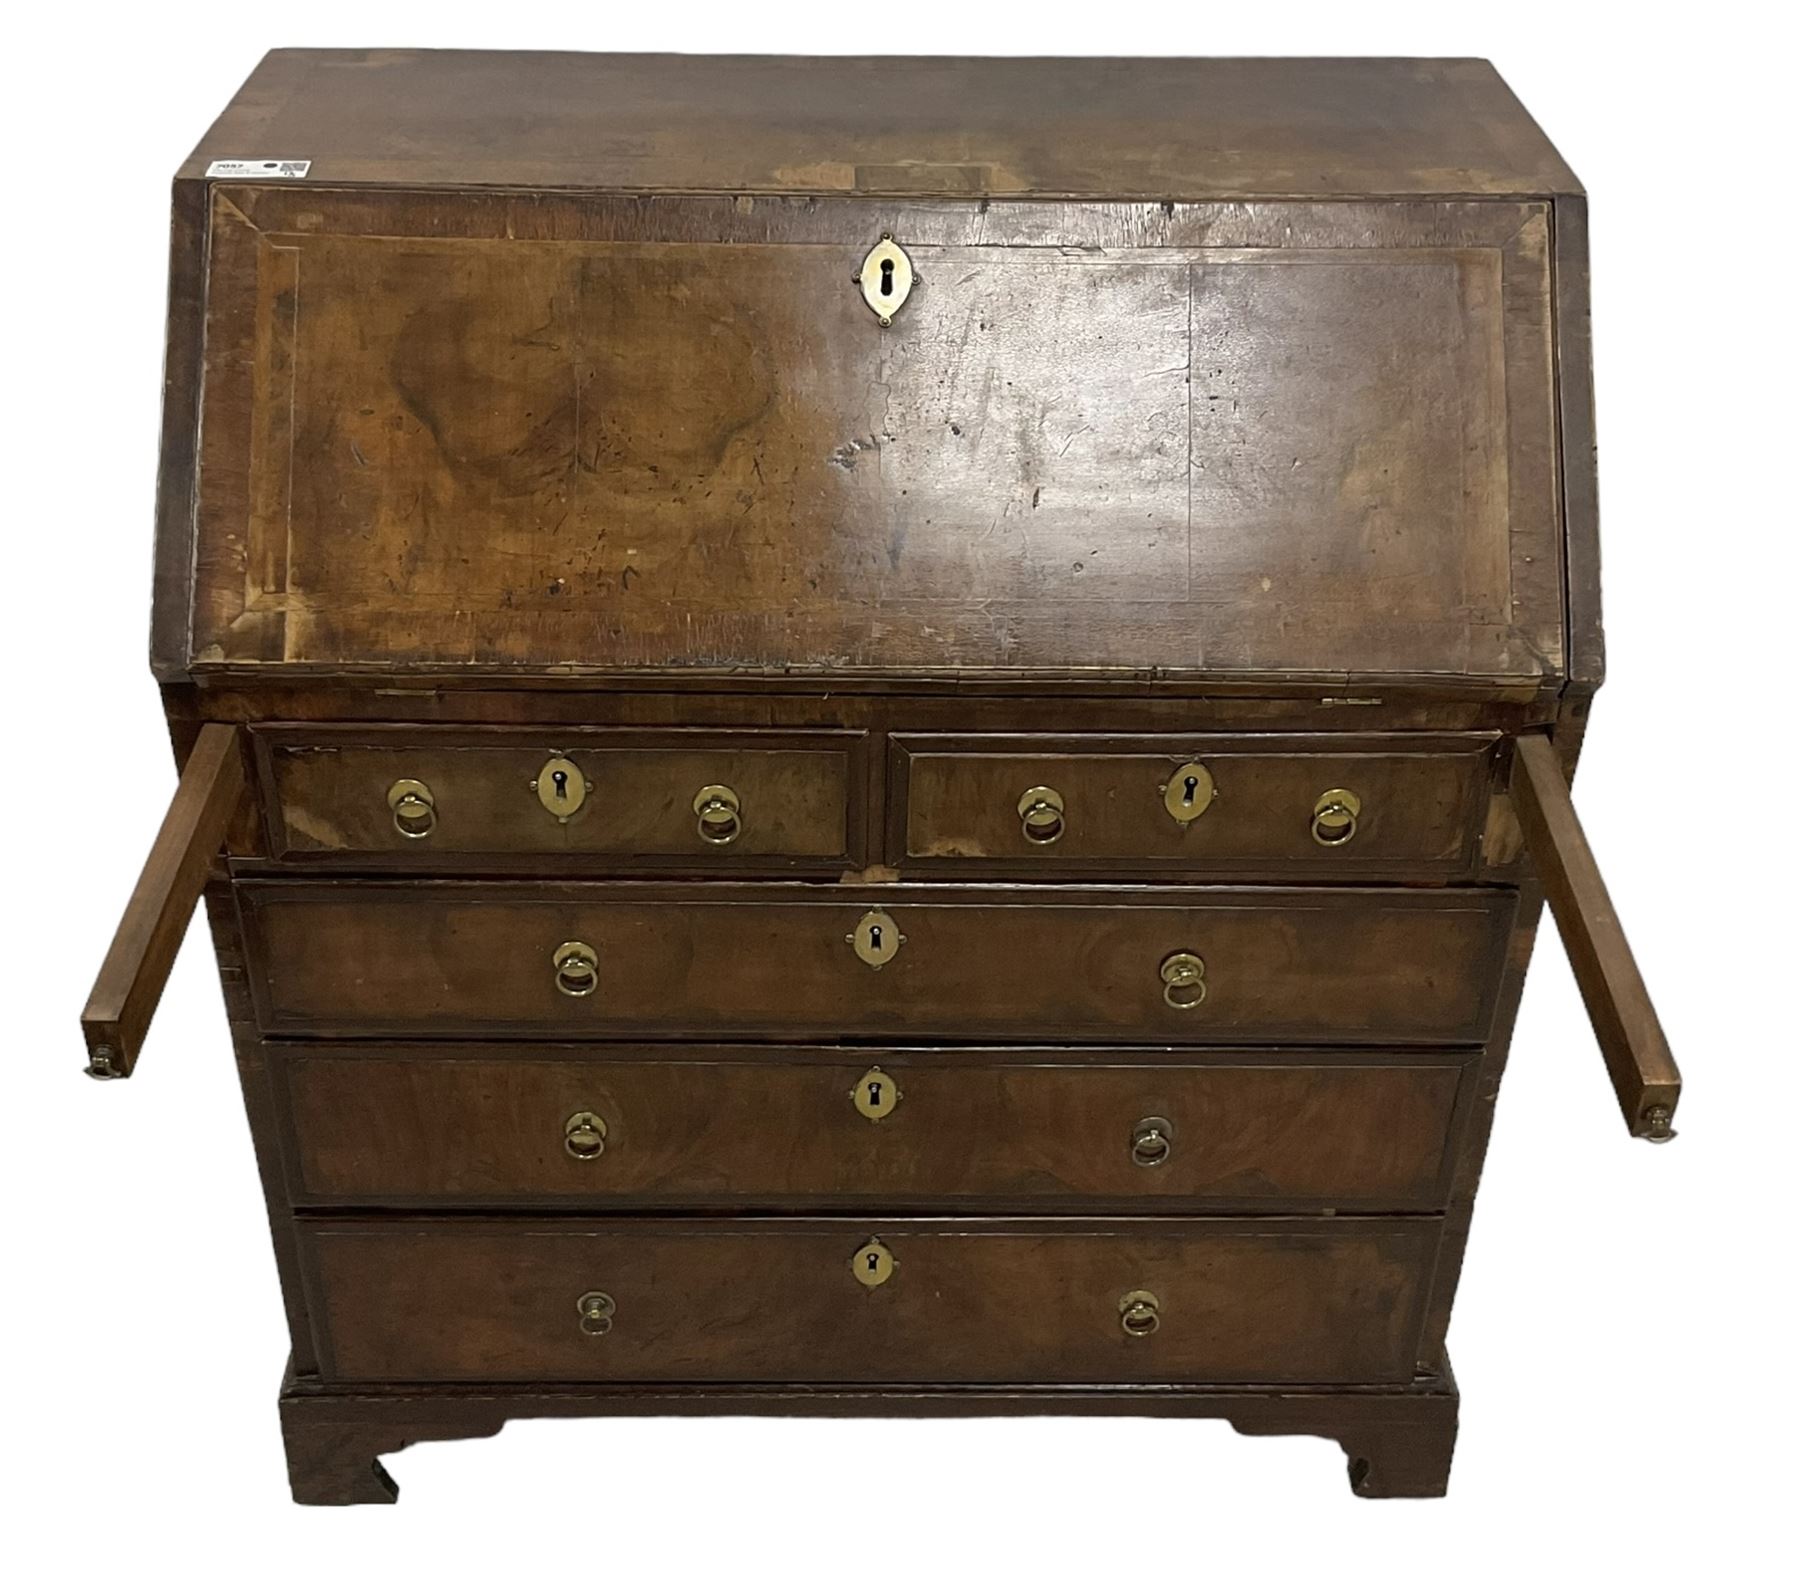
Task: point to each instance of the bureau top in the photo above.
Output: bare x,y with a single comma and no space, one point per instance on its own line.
1161,129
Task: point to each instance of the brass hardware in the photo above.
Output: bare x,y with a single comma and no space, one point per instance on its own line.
103,1065
1188,792
875,1094
1334,817
560,787
1139,1313
595,1311
415,811
1041,815
717,817
876,939
1152,1141
1657,1126
1184,980
873,1264
577,969
584,1135
886,278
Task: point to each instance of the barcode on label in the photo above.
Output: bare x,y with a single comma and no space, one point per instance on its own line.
289,169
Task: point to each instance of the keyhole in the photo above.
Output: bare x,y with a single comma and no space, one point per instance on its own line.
1189,785
873,1261
887,278
874,938
561,780
874,1095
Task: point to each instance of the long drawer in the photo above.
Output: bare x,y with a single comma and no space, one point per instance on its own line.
846,1301
1316,807
1199,965
480,1124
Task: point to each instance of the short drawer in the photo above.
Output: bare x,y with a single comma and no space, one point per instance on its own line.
767,1301
478,1124
792,962
1315,806
434,799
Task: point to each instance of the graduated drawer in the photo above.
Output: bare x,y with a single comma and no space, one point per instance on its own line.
628,797
963,1301
1268,805
785,961
696,1127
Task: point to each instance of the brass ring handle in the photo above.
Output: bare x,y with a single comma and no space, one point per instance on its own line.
577,969
584,1135
717,814
413,806
1152,1141
1041,815
1183,979
1334,818
594,1311
1139,1313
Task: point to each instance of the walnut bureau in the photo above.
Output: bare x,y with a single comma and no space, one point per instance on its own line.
874,737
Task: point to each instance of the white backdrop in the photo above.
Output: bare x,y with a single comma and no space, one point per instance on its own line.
1624,1335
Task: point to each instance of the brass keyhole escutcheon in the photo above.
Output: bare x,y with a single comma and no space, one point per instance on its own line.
875,1094
1139,1313
886,278
594,1310
414,808
584,1135
577,968
873,1264
1041,815
1334,817
1152,1141
1183,979
876,939
1188,792
718,816
560,787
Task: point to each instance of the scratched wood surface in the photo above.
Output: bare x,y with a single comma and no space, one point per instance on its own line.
748,124
586,434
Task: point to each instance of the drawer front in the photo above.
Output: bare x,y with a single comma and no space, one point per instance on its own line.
722,1126
1362,965
961,1302
1243,805
425,799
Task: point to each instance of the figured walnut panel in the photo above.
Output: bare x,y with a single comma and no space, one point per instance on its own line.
435,442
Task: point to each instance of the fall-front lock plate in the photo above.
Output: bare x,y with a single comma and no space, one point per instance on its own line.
886,278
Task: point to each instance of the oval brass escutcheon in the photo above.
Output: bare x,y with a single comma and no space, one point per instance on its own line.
594,1310
873,1264
1183,979
1188,792
1041,815
876,939
414,808
577,968
584,1135
1139,1313
875,1094
1334,817
560,787
1152,1141
886,278
718,814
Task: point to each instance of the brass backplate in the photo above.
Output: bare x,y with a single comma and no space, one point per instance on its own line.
875,1094
560,788
886,278
1188,792
872,1264
876,939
